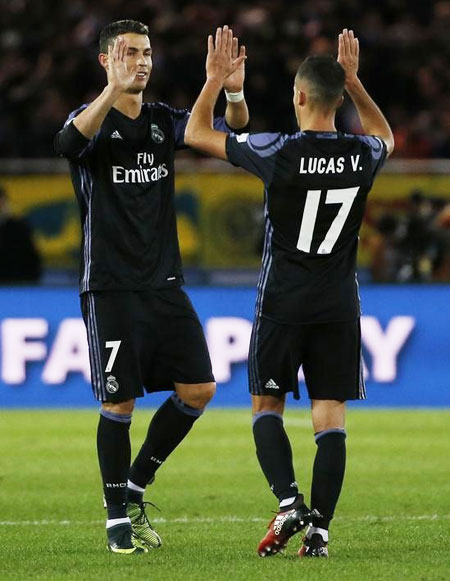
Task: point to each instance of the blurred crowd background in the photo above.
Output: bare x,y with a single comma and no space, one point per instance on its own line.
49,67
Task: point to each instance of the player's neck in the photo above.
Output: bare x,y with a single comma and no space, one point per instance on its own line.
315,121
129,105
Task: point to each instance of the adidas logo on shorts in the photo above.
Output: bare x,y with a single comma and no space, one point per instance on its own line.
271,385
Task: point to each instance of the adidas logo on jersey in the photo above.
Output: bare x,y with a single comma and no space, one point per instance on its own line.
116,135
271,385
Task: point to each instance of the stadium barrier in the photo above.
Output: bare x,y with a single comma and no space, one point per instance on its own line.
219,208
405,334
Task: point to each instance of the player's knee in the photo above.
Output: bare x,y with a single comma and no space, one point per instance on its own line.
327,415
204,395
208,393
267,403
123,407
197,396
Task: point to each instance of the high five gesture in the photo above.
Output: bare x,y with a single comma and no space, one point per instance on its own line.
121,152
235,82
224,68
348,53
299,317
120,75
372,119
224,59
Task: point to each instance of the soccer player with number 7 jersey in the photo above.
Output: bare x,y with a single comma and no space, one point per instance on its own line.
316,183
143,332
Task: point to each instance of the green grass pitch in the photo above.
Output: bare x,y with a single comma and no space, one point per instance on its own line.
392,522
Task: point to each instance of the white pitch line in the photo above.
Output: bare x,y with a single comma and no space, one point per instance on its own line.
228,519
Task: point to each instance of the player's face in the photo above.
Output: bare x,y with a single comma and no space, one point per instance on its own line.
139,54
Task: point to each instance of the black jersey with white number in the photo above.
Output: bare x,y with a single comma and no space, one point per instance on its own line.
316,185
124,183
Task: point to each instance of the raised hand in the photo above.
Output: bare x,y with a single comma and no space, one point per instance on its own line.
220,62
235,82
348,54
119,75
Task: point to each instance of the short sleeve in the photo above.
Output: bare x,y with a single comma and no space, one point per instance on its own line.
378,151
180,118
255,152
69,142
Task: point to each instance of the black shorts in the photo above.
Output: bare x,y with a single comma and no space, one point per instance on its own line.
329,352
143,339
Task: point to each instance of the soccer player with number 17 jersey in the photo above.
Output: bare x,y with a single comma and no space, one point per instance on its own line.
307,310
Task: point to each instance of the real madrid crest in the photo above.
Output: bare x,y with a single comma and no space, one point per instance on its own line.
157,135
112,385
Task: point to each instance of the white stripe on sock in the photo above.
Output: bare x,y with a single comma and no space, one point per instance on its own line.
112,522
287,501
317,531
133,486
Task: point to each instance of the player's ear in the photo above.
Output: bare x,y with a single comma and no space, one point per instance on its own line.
103,60
339,103
301,98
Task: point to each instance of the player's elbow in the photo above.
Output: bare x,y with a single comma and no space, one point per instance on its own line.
390,144
193,137
388,139
189,135
206,140
61,146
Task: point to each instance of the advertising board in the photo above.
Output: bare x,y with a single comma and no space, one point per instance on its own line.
405,336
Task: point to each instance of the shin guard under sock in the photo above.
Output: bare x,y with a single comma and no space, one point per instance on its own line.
274,454
169,426
328,474
114,455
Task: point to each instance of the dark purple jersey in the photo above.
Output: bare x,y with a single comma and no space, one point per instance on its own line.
124,183
316,186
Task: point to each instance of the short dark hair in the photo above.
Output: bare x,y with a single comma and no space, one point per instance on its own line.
120,27
326,78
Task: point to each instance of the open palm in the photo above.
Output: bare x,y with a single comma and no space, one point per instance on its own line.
118,72
235,82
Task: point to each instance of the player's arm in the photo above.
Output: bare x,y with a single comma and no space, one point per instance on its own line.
89,121
372,119
76,136
219,65
236,114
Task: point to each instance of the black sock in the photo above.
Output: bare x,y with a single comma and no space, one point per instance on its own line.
274,453
328,474
135,496
170,424
114,455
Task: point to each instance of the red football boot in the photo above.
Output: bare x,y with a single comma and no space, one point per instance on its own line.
282,527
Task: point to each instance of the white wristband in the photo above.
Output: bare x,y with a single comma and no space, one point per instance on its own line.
234,97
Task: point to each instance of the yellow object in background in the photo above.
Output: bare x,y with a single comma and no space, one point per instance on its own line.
220,215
